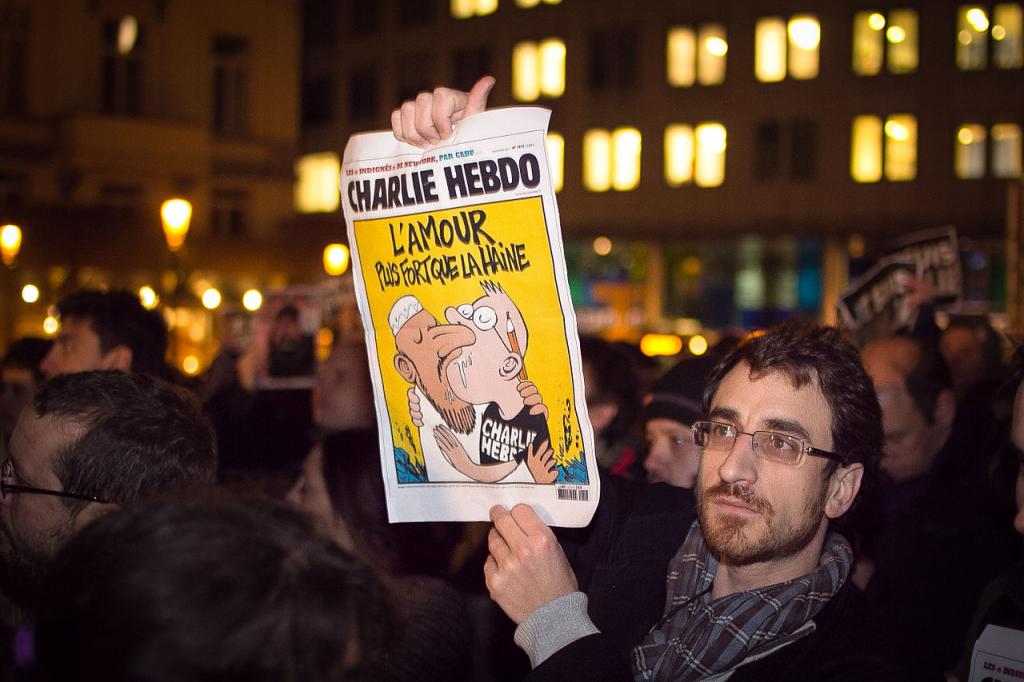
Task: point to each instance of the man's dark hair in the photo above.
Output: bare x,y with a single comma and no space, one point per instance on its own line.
218,587
927,377
803,352
27,353
615,379
142,436
118,319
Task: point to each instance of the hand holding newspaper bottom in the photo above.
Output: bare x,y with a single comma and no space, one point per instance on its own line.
526,567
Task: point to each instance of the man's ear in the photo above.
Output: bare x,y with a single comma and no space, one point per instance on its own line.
119,357
405,367
92,512
843,487
945,409
510,367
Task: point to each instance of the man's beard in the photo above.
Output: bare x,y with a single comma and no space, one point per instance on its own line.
726,537
461,419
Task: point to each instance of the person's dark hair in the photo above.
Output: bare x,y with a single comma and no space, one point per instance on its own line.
352,474
141,436
927,378
118,319
615,382
27,353
803,352
211,588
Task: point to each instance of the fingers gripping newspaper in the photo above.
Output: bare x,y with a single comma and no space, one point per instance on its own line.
460,277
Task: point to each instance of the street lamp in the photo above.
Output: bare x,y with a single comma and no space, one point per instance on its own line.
10,243
175,214
336,258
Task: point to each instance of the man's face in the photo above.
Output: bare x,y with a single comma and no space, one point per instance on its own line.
76,349
430,348
672,456
911,443
489,358
36,526
752,510
15,393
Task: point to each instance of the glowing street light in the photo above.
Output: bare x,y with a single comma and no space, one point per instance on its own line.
30,293
175,214
336,258
10,243
252,300
148,297
211,299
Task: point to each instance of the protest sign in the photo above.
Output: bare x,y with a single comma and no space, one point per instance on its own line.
936,257
998,655
876,304
460,279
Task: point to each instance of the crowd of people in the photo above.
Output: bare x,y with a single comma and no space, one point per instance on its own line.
787,507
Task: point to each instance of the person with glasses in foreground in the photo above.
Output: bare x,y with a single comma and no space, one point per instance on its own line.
86,445
759,587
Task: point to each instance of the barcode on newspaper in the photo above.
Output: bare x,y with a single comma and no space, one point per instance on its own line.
574,494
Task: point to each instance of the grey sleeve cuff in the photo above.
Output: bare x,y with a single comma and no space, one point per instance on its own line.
553,626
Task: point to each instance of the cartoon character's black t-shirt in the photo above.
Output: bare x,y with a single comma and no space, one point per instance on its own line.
504,439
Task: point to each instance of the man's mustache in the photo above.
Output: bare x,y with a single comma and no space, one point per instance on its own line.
741,493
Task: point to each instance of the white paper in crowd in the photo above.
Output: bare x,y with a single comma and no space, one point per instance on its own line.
461,282
998,655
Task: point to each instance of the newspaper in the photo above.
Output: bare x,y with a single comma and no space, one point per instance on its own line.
460,279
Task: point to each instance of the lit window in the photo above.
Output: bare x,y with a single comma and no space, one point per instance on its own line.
866,149
900,147
970,151
868,43
463,9
527,4
597,160
972,27
1007,39
1006,150
555,145
804,39
695,155
696,57
678,154
538,69
316,186
681,55
901,41
783,48
770,50
709,170
611,160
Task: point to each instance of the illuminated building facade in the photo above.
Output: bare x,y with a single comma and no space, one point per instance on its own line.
739,159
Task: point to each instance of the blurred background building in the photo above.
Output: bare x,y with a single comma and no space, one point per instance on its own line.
720,164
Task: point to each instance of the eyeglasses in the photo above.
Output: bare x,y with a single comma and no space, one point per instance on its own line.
769,445
8,487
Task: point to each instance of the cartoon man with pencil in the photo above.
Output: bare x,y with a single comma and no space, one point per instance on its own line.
491,371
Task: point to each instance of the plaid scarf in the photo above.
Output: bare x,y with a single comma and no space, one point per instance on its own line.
700,636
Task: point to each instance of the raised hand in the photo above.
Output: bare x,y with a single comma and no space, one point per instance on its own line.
428,119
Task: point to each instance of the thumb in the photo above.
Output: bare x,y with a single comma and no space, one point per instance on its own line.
477,99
